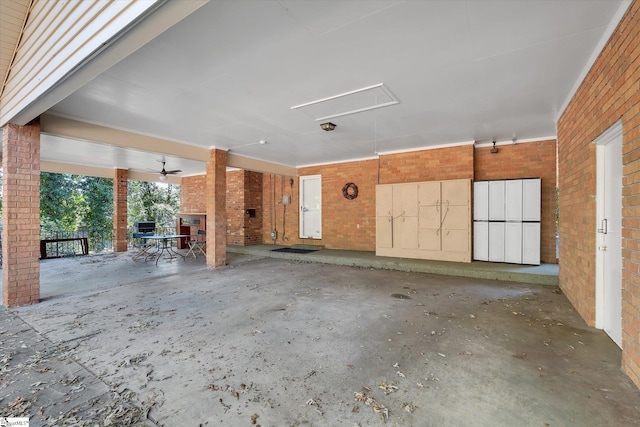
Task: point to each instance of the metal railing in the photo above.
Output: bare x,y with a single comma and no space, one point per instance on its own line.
98,240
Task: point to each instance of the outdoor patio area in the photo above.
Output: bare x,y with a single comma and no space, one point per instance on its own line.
283,342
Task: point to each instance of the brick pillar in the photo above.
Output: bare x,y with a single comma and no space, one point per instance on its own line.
21,214
216,193
120,181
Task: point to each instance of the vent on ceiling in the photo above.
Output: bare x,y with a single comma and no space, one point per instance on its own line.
355,101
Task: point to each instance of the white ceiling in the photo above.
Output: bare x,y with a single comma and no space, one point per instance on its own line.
228,75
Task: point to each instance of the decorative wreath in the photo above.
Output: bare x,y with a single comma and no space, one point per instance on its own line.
350,191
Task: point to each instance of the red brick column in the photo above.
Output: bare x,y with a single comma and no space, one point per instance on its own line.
216,194
120,210
21,214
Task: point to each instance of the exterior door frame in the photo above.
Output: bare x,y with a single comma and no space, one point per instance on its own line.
304,208
603,145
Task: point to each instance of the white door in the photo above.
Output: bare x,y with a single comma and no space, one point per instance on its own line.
609,233
311,207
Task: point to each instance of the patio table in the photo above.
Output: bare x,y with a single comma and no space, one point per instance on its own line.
163,245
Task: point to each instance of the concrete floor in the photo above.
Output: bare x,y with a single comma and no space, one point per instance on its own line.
276,342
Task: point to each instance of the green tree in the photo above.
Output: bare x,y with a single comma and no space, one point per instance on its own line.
96,206
149,201
59,201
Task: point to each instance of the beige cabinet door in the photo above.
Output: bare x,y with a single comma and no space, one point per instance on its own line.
455,241
429,239
404,233
456,192
405,200
384,200
429,217
429,193
384,232
384,212
456,216
405,216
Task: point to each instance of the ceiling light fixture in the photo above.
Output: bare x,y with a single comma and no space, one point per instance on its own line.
163,178
328,126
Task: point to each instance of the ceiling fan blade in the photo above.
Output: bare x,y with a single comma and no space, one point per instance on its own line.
173,171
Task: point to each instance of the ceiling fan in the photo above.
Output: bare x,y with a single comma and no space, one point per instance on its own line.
164,172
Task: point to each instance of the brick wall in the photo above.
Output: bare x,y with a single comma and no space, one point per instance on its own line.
21,214
277,216
610,92
350,224
427,165
346,224
192,190
253,200
530,160
244,191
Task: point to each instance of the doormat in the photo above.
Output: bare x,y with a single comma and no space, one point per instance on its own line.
294,250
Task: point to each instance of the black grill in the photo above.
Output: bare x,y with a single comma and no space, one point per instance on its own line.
145,227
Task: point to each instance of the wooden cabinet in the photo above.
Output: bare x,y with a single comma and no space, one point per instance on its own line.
427,220
189,224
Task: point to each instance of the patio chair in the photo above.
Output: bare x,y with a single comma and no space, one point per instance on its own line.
197,244
142,246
